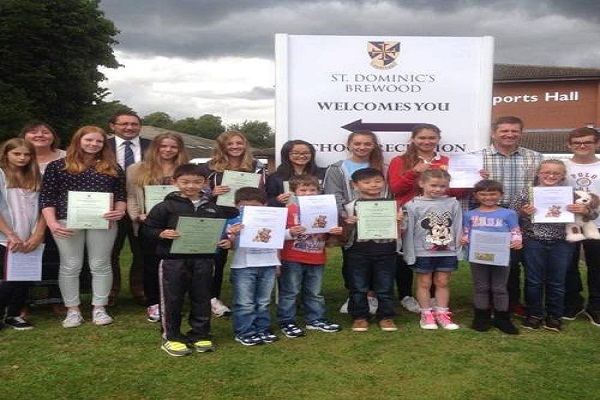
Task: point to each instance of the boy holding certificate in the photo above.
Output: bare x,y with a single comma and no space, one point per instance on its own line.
184,272
370,263
490,278
303,262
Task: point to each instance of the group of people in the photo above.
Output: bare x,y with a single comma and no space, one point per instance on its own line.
435,223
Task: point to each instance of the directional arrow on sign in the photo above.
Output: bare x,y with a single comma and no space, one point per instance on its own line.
358,125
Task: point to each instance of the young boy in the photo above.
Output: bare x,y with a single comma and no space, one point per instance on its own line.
303,263
489,281
371,264
252,285
184,273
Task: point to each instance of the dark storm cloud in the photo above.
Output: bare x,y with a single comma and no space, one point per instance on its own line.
203,29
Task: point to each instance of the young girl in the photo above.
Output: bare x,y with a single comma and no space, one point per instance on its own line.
165,153
489,281
89,166
21,226
365,152
297,158
431,244
232,152
547,253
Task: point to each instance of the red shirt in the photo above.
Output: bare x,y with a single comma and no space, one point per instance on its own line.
304,249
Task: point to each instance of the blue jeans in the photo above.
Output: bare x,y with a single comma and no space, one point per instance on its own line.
546,264
252,288
296,277
371,272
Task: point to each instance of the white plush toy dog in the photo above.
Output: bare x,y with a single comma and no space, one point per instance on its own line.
584,228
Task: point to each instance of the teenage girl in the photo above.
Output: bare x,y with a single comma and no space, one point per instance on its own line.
431,245
21,226
89,166
165,153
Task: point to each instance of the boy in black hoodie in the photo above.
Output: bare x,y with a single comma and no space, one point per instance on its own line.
181,273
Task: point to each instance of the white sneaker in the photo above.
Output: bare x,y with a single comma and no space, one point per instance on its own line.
344,307
373,304
101,317
73,320
153,313
410,304
218,308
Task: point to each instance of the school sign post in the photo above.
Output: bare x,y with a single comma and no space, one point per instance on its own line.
329,86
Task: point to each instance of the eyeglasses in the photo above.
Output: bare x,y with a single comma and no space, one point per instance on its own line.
134,124
298,154
551,173
587,143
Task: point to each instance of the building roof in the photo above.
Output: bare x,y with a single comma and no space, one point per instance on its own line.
519,73
547,141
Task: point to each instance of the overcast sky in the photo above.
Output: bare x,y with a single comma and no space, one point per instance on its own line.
195,57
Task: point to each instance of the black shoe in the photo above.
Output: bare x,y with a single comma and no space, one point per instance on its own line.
552,323
532,323
481,320
19,323
594,316
571,313
502,321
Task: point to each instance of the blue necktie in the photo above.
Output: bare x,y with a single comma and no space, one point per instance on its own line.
129,159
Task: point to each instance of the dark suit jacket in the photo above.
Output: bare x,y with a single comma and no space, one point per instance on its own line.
144,143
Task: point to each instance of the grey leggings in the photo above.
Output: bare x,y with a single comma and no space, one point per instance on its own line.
99,243
489,282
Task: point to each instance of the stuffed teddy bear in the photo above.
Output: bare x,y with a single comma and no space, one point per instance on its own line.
584,226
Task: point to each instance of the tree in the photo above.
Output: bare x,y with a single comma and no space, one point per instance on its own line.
207,126
159,119
258,133
49,56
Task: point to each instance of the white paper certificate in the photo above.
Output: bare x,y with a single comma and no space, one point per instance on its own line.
24,266
318,214
491,248
154,194
85,210
236,180
551,203
377,220
464,170
264,227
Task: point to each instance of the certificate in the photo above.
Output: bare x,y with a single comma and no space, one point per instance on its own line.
318,214
464,170
85,210
491,248
551,203
24,266
197,235
236,180
264,227
154,194
377,220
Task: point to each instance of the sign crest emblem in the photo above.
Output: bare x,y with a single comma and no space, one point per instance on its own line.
383,54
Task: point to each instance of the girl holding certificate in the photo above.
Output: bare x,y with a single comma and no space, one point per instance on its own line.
232,152
365,152
547,253
165,153
89,166
21,227
45,140
297,158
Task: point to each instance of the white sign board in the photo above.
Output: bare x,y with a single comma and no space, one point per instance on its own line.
329,86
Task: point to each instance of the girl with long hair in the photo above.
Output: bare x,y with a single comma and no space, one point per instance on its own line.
89,166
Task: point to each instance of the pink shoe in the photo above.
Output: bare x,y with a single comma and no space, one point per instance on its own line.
428,321
444,319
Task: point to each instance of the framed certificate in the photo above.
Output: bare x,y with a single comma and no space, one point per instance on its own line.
318,214
377,220
236,180
551,203
85,210
154,194
198,235
491,248
264,227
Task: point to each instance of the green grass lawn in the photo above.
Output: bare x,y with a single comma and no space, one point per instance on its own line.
124,360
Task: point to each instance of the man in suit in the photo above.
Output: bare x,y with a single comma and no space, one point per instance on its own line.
129,148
